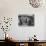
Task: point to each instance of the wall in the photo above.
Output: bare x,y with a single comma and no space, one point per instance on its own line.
12,8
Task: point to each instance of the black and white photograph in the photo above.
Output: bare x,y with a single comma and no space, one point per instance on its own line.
26,20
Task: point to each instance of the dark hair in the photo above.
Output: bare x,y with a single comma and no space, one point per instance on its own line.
34,35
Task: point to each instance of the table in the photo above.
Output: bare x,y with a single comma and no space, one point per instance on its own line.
28,43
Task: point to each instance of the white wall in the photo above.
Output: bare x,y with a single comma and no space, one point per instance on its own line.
12,8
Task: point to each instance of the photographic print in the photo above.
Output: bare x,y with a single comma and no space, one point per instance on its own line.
26,20
35,3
